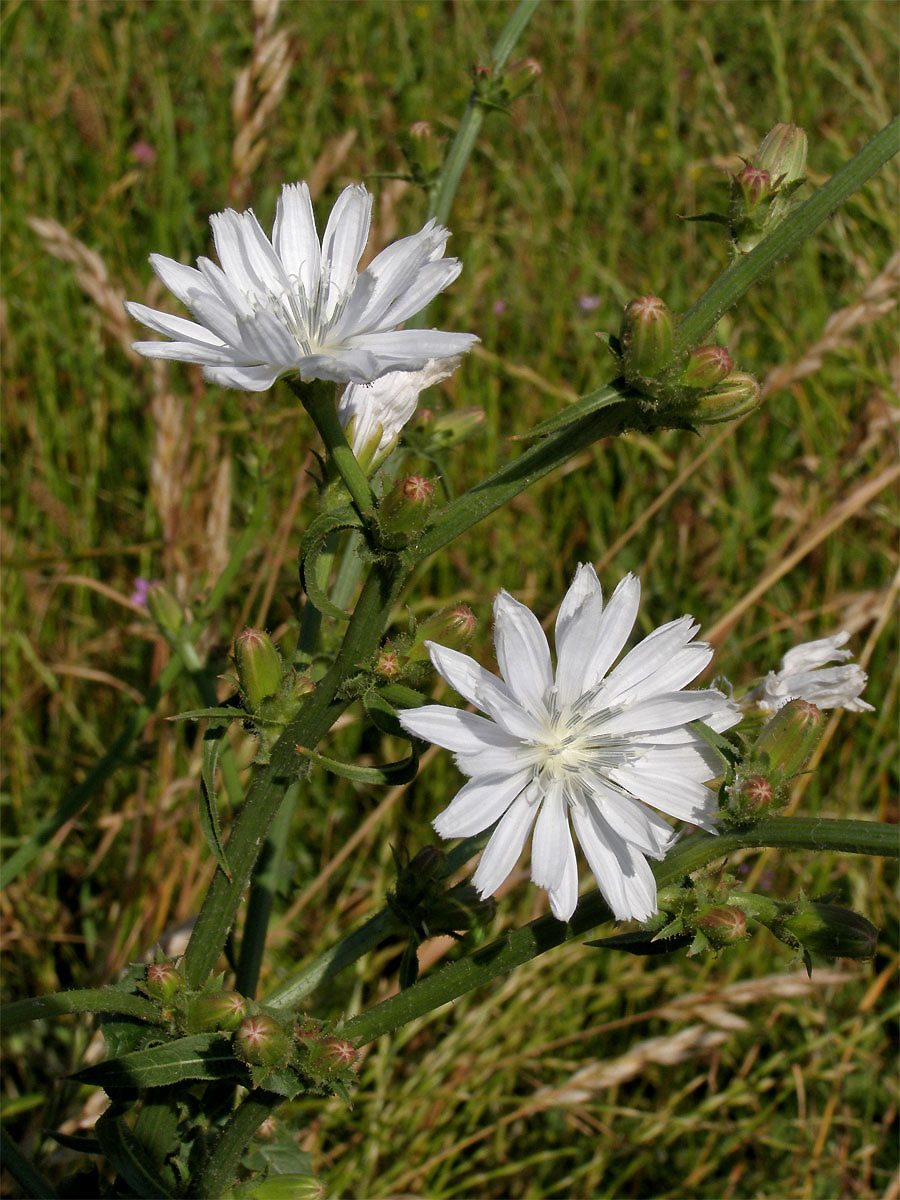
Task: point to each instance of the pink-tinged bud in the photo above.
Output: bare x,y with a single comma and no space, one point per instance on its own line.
258,666
755,795
782,153
519,77
388,664
706,367
723,925
451,627
162,981
340,1051
262,1042
164,608
421,131
215,1010
406,507
755,185
831,930
786,743
738,395
648,338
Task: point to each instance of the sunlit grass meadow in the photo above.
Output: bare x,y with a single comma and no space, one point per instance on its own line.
125,124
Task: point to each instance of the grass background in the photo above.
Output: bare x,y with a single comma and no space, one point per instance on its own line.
583,1074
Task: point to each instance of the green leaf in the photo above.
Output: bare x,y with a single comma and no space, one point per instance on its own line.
203,1056
123,1151
285,1083
87,1000
393,773
592,402
643,942
213,714
312,545
27,1176
209,812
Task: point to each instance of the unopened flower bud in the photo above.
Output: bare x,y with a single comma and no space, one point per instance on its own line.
258,666
782,153
734,397
723,925
423,151
163,981
406,507
648,338
286,1187
755,185
706,367
520,76
832,931
451,627
164,608
388,663
752,798
450,428
786,743
340,1051
261,1041
215,1010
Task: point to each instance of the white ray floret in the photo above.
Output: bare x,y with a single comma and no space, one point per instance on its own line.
373,414
805,675
294,306
584,750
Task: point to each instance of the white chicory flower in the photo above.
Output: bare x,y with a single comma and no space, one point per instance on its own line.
805,675
592,745
294,305
373,414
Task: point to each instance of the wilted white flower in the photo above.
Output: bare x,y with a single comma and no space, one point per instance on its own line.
294,306
373,414
592,745
804,675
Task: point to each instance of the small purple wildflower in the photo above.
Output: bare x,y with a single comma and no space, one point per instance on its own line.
141,588
499,307
588,303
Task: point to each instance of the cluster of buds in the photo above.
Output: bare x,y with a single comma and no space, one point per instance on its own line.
701,385
498,89
404,659
423,907
783,747
709,916
762,191
271,693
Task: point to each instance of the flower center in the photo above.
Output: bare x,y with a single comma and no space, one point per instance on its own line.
573,743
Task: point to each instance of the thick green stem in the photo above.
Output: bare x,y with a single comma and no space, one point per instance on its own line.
318,399
520,945
319,712
219,1172
744,272
266,880
467,134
